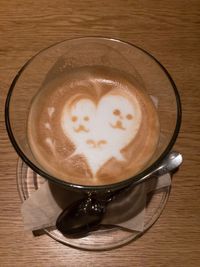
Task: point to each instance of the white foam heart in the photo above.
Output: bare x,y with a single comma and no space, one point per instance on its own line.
101,130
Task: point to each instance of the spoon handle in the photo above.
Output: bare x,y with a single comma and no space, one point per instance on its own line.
171,162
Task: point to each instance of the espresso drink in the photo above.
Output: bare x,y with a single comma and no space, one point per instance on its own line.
93,126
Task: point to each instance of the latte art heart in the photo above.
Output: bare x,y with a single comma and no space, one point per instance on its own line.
99,131
93,126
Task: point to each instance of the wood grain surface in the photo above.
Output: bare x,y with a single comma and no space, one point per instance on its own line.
170,30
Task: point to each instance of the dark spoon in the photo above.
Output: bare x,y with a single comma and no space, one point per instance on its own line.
81,216
87,213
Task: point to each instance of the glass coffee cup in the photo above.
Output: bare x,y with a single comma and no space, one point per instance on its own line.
48,66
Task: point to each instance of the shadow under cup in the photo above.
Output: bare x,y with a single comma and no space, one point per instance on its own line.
51,62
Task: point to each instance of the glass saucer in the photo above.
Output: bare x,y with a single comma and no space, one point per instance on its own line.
105,238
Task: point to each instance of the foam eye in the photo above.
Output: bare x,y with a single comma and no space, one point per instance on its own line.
86,118
129,117
74,118
116,112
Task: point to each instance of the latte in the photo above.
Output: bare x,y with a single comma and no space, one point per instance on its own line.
93,126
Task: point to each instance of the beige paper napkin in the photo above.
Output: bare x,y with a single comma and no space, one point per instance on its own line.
127,210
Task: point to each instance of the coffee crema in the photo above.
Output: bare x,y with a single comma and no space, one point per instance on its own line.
93,126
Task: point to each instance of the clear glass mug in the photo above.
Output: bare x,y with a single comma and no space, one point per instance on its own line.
50,62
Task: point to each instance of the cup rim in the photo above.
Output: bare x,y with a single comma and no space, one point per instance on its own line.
131,180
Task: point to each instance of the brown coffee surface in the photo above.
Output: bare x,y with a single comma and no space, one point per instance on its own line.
93,126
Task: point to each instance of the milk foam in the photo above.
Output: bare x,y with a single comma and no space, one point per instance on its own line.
93,126
101,130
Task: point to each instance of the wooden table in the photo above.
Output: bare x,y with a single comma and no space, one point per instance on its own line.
170,30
